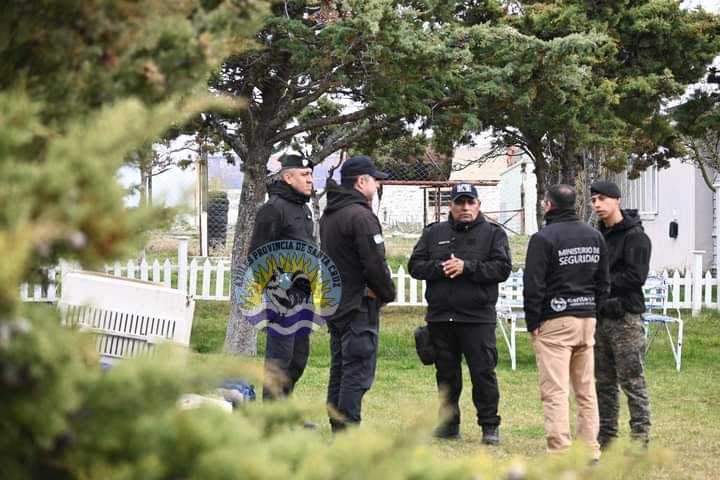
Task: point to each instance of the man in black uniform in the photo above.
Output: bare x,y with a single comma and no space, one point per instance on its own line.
566,276
620,338
351,236
285,216
462,260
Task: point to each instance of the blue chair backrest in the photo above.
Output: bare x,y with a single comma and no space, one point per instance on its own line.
656,293
511,291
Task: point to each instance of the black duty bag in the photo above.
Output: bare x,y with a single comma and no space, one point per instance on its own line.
424,345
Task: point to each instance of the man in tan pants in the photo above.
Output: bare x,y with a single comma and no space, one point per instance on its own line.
566,276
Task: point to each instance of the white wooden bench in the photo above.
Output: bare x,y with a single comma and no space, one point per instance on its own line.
128,316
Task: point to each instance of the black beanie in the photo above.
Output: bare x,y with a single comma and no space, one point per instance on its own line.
603,187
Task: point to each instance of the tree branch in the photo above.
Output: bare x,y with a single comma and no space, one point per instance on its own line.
700,164
519,142
230,139
445,102
345,141
163,170
322,122
293,108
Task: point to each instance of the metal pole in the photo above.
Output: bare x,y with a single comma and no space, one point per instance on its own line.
717,242
697,282
182,263
203,178
523,179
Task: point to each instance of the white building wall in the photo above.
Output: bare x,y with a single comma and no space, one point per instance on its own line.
511,182
704,219
403,204
489,199
400,204
684,197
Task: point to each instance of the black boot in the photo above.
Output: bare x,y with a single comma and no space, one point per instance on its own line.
605,442
337,426
491,435
642,438
447,431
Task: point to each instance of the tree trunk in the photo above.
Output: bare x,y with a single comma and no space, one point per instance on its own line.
569,164
241,336
149,198
144,176
541,173
592,161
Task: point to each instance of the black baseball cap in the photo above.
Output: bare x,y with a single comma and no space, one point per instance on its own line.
292,160
604,187
361,165
463,190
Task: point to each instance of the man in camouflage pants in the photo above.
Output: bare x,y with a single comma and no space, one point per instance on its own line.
620,335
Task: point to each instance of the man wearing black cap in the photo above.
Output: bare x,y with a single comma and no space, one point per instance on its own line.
620,338
462,261
351,235
566,276
285,216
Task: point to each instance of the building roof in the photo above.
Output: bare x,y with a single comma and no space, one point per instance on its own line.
477,163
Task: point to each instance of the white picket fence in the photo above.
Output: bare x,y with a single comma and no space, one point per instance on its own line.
203,278
208,279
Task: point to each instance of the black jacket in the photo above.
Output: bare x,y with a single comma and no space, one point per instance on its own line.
629,249
350,234
566,271
285,216
470,297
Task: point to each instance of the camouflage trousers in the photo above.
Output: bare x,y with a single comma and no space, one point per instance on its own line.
620,362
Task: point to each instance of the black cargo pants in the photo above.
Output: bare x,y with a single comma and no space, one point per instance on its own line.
285,361
353,357
476,342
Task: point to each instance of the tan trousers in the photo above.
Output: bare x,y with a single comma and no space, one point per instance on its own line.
564,354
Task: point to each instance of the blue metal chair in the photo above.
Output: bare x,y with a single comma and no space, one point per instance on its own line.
656,316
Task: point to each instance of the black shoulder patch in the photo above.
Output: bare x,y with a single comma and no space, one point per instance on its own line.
430,224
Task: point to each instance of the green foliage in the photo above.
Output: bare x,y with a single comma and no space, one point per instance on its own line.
124,424
82,84
43,371
403,401
76,56
697,120
656,48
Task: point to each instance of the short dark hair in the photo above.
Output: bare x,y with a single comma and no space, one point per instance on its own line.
561,195
348,182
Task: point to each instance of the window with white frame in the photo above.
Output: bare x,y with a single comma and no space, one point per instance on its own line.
640,193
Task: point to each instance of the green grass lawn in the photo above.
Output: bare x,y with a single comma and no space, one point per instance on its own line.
685,405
